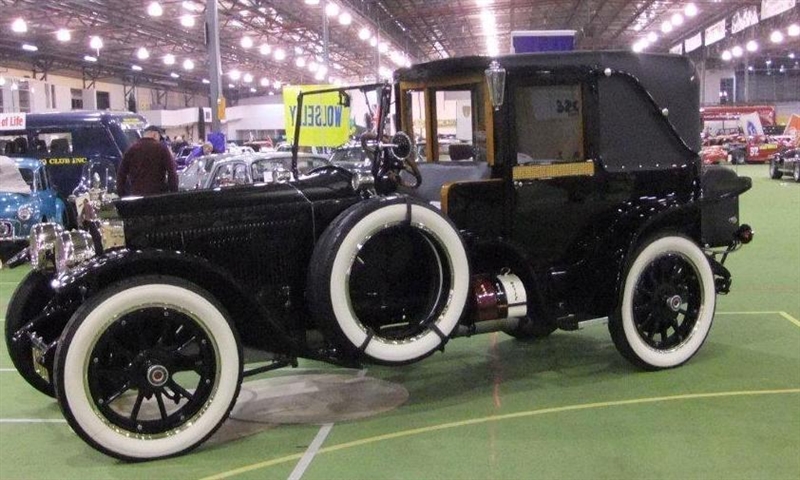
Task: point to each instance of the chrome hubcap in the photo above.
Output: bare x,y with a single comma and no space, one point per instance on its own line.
674,302
157,375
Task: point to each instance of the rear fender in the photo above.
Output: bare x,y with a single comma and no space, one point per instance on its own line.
255,323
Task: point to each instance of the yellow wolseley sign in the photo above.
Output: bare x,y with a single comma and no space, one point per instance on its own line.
324,122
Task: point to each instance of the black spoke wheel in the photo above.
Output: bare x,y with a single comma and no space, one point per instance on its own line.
148,368
28,300
667,304
666,301
151,370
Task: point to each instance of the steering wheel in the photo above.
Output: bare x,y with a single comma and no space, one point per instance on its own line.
402,152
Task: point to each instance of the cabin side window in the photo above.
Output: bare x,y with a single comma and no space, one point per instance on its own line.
549,124
449,120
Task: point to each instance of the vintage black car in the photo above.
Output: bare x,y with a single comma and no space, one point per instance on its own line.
786,162
591,204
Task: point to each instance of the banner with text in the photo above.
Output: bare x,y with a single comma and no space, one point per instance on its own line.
12,121
324,121
770,8
715,32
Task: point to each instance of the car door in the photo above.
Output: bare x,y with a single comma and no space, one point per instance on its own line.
555,190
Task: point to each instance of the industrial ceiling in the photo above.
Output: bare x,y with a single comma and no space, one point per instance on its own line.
269,43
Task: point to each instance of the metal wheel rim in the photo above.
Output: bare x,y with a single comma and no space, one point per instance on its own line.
667,302
139,355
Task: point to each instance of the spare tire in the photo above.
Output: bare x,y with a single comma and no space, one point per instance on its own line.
388,280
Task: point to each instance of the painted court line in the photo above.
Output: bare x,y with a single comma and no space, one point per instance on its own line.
496,418
32,420
312,450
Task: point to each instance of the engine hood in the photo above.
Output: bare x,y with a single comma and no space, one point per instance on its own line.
325,185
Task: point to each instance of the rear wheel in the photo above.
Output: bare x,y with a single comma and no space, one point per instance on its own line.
389,280
667,304
774,172
148,368
737,157
27,301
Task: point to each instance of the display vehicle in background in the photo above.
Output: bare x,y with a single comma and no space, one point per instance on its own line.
68,141
752,149
266,167
785,163
594,207
713,154
26,198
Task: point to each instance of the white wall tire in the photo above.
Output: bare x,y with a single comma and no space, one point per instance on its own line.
667,304
433,257
139,387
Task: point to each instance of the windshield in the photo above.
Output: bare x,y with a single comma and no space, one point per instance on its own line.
14,179
327,117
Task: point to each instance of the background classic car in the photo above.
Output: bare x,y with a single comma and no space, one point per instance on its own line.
26,198
571,220
785,163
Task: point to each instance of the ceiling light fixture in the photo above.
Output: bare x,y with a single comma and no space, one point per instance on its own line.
188,64
666,27
280,54
246,42
676,20
737,51
169,59
235,74
174,75
136,68
752,46
364,34
345,19
793,30
90,58
19,26
187,20
142,53
690,10
155,10
264,49
96,43
776,36
63,35
726,55
247,78
331,9
30,48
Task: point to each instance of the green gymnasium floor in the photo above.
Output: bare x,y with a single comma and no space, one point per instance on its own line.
494,408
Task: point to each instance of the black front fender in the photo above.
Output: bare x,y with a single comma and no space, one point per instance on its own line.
256,323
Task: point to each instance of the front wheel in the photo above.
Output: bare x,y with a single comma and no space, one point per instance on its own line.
29,299
774,172
667,304
148,368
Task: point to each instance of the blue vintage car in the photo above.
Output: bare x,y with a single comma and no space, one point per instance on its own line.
26,198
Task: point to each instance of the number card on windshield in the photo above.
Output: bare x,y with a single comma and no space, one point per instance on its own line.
556,102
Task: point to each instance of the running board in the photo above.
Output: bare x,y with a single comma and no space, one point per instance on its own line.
570,322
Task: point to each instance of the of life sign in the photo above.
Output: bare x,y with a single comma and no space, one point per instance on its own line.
323,120
12,121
